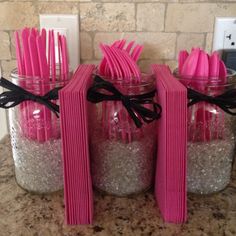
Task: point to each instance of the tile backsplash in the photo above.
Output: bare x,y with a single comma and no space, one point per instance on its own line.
164,26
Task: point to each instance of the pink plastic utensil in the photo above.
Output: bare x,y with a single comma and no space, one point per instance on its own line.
111,107
190,64
36,73
34,55
201,73
202,69
183,55
211,117
65,60
43,65
59,54
137,52
27,59
129,46
44,38
222,71
114,61
133,66
49,43
19,55
32,131
214,65
124,118
108,61
44,74
53,58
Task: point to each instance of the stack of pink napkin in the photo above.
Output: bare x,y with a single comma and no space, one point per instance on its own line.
170,184
78,192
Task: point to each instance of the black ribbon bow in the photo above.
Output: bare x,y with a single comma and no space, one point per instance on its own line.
132,103
17,95
226,101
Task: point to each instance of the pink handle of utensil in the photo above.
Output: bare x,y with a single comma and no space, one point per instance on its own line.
202,72
53,59
65,60
183,55
138,53
19,58
214,65
129,46
44,74
27,59
190,64
32,130
34,55
39,109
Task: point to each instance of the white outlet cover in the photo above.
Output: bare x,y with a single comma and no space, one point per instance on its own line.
230,39
224,26
67,25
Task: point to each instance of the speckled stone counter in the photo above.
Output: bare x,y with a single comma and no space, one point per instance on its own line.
22,213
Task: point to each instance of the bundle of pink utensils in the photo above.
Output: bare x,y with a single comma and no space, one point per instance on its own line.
42,63
119,65
199,71
199,65
119,60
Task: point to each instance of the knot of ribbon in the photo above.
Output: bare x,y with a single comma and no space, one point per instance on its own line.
132,103
17,95
226,101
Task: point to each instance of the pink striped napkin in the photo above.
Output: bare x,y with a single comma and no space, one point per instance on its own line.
78,194
170,184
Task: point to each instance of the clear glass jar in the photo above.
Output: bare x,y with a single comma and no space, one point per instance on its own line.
122,155
211,138
35,138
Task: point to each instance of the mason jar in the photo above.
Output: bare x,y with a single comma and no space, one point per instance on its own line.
122,155
211,137
36,138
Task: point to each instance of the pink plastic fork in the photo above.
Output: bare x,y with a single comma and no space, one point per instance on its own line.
129,46
123,116
117,70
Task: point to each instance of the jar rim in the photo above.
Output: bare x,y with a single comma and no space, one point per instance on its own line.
209,81
147,79
36,79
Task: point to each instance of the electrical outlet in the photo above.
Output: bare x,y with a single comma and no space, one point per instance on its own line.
230,39
224,33
67,25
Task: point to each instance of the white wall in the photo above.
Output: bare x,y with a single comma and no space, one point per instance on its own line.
3,122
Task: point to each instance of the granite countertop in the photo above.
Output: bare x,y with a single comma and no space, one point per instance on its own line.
22,213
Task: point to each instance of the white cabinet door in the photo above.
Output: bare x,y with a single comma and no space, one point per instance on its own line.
3,122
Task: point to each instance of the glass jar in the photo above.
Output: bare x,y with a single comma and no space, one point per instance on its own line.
211,138
35,138
122,155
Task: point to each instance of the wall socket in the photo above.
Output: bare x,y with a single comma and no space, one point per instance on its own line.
67,25
230,39
224,33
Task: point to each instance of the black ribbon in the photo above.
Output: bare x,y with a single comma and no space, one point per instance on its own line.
226,101
132,103
17,95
